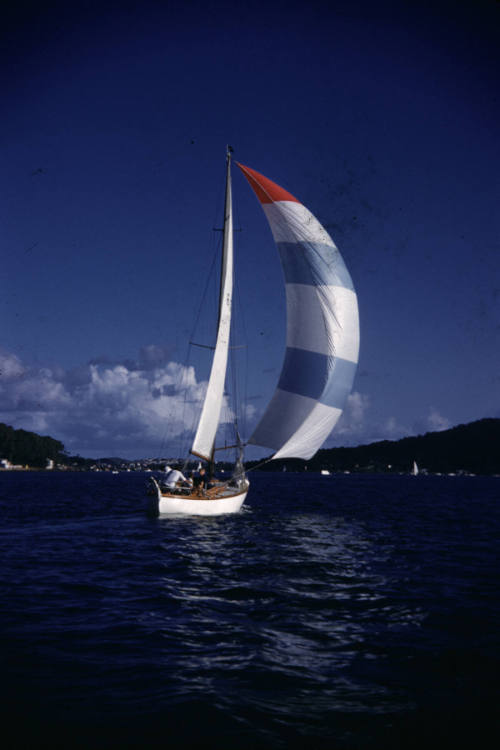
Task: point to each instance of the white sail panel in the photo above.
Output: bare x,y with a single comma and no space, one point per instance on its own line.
293,222
204,440
322,328
312,434
320,319
298,425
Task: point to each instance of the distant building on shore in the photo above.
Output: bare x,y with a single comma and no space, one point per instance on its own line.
6,465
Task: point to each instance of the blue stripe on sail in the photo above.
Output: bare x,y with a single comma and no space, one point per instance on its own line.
317,376
313,263
339,383
305,373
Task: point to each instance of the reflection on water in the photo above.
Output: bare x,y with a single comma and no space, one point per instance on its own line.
286,614
317,610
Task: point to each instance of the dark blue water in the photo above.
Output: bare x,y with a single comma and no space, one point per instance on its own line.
349,612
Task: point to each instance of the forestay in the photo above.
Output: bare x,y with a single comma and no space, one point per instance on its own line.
322,328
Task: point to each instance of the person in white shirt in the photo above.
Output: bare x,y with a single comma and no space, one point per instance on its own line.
175,476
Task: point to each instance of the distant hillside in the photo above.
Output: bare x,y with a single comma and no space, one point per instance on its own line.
22,447
473,448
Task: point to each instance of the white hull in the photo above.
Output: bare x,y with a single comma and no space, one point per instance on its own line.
200,506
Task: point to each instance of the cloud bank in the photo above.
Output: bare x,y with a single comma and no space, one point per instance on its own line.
147,407
103,408
357,425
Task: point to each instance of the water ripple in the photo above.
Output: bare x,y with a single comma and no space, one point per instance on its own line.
294,620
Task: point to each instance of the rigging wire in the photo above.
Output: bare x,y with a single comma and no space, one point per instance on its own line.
182,387
188,432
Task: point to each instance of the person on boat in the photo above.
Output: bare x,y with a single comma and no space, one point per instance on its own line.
176,478
200,479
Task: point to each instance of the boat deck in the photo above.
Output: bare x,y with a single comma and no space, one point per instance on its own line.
221,490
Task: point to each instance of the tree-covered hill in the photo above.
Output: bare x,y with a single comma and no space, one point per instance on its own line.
473,448
22,447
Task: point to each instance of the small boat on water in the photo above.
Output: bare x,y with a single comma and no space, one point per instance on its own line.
322,345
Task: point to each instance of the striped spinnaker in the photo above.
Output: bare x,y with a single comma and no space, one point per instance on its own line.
322,343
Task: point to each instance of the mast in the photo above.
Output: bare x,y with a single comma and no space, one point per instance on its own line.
204,441
227,231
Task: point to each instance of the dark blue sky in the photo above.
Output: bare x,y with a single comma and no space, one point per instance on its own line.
381,117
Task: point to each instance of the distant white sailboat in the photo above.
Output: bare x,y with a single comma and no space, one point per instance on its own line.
414,469
321,349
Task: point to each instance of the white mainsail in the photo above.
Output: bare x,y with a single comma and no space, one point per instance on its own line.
322,328
204,440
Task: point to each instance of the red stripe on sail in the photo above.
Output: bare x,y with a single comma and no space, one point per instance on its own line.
266,190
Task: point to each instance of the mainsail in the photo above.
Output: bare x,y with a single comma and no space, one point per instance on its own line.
204,440
322,328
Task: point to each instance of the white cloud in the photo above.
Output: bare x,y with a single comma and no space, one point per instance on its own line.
356,407
358,426
352,424
137,408
436,422
127,409
392,429
10,366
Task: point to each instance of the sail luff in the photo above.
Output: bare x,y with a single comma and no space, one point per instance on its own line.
204,440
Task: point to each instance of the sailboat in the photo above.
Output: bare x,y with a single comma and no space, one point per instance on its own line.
414,469
322,346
